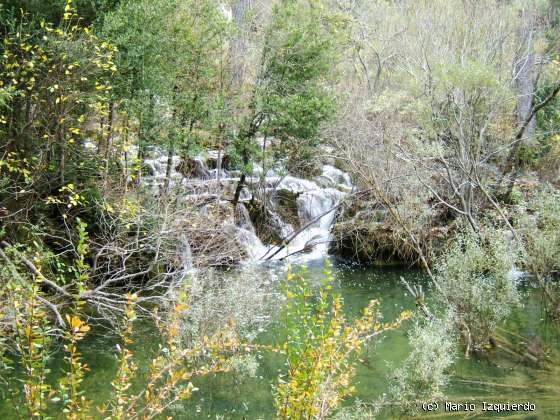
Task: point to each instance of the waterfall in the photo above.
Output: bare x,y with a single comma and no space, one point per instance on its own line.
315,200
186,257
156,170
312,205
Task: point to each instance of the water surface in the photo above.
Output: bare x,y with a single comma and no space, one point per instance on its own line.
496,377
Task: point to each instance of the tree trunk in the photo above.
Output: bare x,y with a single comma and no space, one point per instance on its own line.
525,81
239,43
241,182
525,73
247,137
168,167
238,190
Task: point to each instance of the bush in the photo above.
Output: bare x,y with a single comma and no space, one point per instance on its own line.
424,373
474,278
358,411
321,347
541,233
541,237
171,370
244,300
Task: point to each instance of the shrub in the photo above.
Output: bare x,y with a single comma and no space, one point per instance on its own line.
541,233
541,237
215,301
171,370
358,411
321,346
474,278
424,374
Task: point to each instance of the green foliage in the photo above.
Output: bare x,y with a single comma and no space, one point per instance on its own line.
475,282
541,236
171,73
300,48
547,152
134,28
31,325
53,10
528,155
321,347
56,77
75,404
425,373
292,98
170,372
81,271
548,119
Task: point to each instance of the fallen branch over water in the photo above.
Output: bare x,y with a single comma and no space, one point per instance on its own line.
286,241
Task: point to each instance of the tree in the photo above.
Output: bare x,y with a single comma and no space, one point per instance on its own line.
290,97
447,109
54,78
524,68
199,31
169,56
134,28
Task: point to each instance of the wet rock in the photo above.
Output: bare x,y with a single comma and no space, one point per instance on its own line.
364,232
269,226
286,206
193,168
228,163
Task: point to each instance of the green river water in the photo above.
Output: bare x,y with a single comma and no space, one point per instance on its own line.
495,378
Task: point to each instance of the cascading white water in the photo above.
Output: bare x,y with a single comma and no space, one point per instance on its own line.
316,211
316,201
317,204
157,167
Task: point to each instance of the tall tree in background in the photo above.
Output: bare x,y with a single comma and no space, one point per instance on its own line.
291,96
134,27
169,56
525,69
194,75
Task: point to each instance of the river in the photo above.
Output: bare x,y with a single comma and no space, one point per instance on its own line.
494,378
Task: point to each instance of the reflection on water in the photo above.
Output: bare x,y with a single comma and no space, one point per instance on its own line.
493,378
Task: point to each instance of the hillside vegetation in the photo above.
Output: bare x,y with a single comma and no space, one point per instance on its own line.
150,148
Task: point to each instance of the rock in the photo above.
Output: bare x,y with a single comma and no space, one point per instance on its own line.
365,233
193,168
269,226
285,204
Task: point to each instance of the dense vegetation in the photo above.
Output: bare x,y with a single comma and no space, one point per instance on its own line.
444,115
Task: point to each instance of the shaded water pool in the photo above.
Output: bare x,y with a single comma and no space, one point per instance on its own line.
494,378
